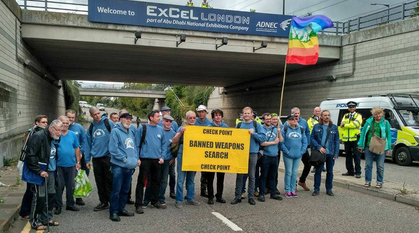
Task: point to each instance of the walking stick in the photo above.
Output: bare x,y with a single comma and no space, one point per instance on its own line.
46,199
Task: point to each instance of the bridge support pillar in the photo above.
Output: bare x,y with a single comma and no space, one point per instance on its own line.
158,104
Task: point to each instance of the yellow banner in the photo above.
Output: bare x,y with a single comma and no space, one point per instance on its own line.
216,149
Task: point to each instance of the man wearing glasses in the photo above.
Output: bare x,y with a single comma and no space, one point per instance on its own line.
350,128
67,163
41,160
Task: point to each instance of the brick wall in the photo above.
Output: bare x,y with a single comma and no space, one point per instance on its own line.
23,93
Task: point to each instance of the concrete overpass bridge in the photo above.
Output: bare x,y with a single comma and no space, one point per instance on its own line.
111,92
72,47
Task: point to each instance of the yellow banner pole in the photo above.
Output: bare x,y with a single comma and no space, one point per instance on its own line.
282,89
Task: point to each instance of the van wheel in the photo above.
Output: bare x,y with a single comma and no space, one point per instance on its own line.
402,157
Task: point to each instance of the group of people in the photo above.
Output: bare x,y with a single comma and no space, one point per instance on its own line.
114,147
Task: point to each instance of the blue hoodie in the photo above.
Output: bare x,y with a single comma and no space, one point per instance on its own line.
168,135
271,135
80,133
123,147
97,145
175,126
303,123
295,143
257,138
198,122
154,143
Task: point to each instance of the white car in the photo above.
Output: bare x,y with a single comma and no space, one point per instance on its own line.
100,106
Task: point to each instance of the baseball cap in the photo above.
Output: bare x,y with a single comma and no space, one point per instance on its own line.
168,117
125,115
201,108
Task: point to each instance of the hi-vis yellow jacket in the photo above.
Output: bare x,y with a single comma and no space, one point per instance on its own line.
189,4
311,122
350,127
205,5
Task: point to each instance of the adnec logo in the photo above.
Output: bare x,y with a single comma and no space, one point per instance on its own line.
129,143
284,24
263,24
99,133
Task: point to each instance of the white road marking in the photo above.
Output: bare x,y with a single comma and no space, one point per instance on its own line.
225,220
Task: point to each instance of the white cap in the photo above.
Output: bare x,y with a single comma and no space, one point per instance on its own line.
201,108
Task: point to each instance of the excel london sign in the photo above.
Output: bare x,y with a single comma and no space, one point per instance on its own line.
188,18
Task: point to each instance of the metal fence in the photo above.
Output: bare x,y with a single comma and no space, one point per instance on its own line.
391,14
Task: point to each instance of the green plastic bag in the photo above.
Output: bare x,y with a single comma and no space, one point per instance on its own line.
83,186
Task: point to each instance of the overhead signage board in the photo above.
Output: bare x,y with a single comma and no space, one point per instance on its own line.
188,18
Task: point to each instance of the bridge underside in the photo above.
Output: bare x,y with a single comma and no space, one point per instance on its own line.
103,52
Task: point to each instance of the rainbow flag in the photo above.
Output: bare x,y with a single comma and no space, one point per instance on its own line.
303,44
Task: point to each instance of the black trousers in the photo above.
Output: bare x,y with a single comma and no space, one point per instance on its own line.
220,184
25,207
307,167
103,178
351,152
152,167
204,183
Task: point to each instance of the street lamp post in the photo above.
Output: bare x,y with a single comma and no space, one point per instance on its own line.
388,9
283,7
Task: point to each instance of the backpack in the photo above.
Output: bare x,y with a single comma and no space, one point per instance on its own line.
107,125
255,125
27,136
286,128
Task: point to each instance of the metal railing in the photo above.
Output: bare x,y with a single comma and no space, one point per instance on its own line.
395,13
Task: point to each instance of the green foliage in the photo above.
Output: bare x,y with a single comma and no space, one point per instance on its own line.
72,96
191,97
415,11
11,161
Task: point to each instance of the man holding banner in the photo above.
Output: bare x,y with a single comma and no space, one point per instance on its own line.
203,121
257,137
217,121
182,175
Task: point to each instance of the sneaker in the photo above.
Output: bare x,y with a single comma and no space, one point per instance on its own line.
288,195
211,201
57,210
256,193
159,205
315,193
221,200
358,176
173,195
101,206
261,198
130,202
294,194
195,203
139,210
243,195
72,208
330,193
179,205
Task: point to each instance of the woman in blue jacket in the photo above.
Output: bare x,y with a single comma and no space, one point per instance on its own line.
381,130
293,147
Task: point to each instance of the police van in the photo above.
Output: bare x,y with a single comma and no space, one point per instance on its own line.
401,110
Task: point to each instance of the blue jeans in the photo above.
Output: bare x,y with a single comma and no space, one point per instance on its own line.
121,182
172,174
330,162
369,159
269,167
190,182
291,169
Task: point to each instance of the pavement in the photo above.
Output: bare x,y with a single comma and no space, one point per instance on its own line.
353,209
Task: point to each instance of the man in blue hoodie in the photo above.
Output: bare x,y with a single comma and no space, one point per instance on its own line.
124,158
97,147
203,121
168,111
152,152
81,136
269,161
257,137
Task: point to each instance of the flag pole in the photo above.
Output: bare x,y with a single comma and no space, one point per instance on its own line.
282,89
